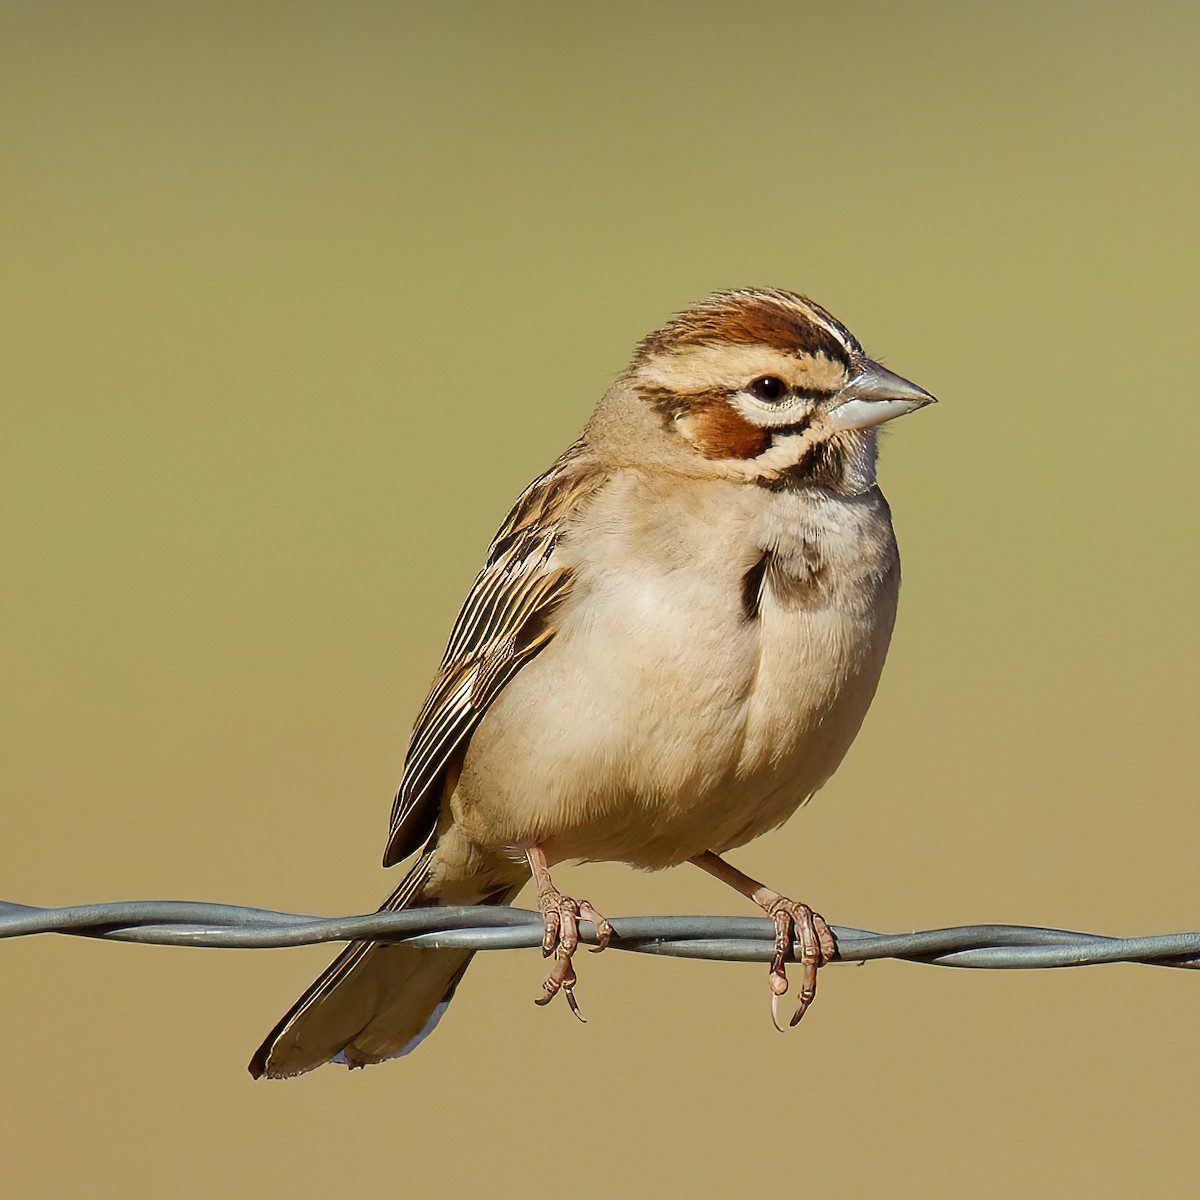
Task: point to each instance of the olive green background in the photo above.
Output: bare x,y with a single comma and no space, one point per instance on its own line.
297,297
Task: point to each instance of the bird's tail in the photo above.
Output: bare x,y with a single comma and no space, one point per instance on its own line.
375,1001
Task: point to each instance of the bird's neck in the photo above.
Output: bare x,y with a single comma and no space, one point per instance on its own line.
843,463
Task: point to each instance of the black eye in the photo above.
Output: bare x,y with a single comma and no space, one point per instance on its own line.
770,388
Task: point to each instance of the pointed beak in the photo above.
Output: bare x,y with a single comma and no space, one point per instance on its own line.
873,396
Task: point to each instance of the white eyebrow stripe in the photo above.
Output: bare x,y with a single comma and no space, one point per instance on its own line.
830,326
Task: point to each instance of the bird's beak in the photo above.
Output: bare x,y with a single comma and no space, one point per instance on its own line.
873,396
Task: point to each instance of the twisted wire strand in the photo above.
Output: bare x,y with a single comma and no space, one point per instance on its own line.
723,939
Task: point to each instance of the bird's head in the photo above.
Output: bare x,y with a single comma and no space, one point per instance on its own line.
762,385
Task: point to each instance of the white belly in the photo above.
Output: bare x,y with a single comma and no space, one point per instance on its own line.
665,719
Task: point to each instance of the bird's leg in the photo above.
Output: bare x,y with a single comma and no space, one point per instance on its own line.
792,921
561,915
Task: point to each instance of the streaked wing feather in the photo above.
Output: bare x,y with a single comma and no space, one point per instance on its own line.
506,619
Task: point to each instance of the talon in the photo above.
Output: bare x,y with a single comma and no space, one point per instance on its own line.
792,922
797,923
560,918
776,998
551,987
560,979
779,985
573,1005
807,996
603,927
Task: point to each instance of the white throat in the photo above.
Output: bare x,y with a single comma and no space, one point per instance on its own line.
859,475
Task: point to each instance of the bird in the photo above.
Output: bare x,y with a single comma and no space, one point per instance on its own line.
671,645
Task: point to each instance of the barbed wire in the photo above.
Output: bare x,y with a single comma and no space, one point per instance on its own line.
724,939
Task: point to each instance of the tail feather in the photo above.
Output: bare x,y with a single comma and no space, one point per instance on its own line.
376,1000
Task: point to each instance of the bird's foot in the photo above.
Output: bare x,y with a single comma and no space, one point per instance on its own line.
795,922
561,916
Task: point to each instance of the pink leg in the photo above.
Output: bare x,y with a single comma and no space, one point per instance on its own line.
561,915
792,921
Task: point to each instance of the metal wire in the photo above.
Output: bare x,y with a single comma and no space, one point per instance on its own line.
726,939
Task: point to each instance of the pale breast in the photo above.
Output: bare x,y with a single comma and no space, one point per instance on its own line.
828,603
714,661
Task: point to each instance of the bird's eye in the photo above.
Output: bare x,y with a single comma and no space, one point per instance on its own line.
770,388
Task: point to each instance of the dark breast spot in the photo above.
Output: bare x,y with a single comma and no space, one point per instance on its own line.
794,582
752,586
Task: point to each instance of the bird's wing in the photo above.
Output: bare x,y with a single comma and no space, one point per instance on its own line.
508,616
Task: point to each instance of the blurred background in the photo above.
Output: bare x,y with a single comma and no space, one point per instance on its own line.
298,296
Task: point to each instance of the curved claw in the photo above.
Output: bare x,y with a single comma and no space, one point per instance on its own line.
573,1005
561,916
808,993
560,979
602,925
797,922
779,987
776,1001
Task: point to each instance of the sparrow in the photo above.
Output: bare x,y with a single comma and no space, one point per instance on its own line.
671,645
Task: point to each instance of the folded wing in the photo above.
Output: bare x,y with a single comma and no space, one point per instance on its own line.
508,616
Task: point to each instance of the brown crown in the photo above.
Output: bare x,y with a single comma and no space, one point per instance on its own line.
751,316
